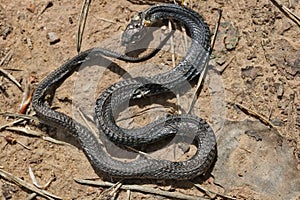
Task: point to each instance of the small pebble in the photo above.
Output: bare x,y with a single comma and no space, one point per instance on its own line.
53,38
265,86
280,90
31,7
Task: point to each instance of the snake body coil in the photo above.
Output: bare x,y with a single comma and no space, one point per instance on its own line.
112,99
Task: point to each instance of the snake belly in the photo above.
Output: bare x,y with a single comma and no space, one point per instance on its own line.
114,97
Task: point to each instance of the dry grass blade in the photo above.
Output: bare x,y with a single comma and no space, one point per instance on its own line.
11,124
85,119
205,67
11,78
25,131
287,12
28,186
139,188
138,152
22,116
32,133
185,39
212,192
216,29
145,110
7,74
111,192
5,58
33,179
258,116
128,195
81,23
50,139
172,44
35,183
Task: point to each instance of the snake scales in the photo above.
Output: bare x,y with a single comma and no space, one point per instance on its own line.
116,96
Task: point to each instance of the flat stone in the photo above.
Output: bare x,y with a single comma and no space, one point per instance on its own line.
53,38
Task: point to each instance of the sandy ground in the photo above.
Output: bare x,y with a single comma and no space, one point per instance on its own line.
256,55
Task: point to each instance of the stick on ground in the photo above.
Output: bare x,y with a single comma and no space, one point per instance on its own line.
194,98
139,188
7,74
258,116
28,186
287,12
81,23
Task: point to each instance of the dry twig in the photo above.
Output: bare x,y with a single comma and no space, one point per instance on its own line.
85,119
5,58
27,117
205,67
50,139
11,124
145,110
33,133
111,192
258,116
138,152
286,12
81,23
172,44
36,184
25,131
7,74
128,194
141,189
216,29
212,192
28,186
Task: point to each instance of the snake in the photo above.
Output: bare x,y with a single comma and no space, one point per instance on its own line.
113,99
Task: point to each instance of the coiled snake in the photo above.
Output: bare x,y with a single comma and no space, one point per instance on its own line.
114,98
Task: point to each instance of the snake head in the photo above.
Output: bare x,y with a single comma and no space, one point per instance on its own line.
135,30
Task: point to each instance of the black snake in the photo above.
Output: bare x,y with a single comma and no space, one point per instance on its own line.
116,96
